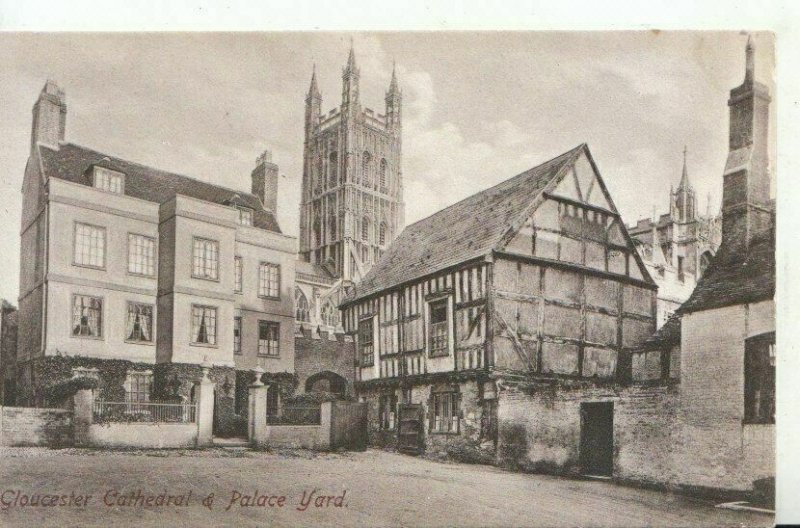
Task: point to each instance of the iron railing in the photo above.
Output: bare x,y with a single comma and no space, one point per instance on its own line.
296,415
104,411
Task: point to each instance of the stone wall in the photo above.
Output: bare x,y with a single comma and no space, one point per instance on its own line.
324,354
717,449
143,435
540,429
27,426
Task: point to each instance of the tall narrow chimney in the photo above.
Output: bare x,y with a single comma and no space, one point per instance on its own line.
745,190
49,116
264,181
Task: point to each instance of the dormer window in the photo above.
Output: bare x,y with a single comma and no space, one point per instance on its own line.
108,180
245,216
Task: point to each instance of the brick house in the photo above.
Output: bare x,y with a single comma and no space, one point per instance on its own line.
534,280
137,276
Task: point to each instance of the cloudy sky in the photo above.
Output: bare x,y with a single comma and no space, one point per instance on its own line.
478,107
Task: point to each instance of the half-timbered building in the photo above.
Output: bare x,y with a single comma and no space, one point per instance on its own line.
535,278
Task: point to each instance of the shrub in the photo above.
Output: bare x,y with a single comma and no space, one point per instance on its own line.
67,389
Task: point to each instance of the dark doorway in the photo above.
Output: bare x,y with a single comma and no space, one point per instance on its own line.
597,438
327,382
410,435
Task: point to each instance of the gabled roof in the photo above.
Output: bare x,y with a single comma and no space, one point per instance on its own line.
71,162
732,278
464,231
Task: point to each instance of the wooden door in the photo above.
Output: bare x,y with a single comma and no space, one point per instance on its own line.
597,438
410,429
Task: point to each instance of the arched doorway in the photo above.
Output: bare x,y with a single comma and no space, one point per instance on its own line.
327,382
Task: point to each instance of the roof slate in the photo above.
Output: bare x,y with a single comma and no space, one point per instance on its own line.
461,232
732,278
70,162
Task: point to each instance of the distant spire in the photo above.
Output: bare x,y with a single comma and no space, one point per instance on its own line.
351,59
749,68
685,176
393,83
313,89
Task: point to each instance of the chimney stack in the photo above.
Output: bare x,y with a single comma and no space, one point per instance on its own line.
745,190
49,116
264,181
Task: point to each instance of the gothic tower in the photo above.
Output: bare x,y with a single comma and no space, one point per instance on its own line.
352,193
683,210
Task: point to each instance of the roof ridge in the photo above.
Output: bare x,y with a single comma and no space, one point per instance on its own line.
150,168
507,181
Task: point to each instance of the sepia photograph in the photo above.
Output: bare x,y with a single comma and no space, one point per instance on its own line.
388,278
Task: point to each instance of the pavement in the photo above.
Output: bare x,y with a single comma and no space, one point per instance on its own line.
241,487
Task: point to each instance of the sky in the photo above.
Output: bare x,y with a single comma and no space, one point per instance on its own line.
479,107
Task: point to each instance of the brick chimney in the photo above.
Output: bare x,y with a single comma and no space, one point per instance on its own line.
745,190
265,181
49,116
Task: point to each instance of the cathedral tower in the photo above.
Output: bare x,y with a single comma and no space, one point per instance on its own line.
352,193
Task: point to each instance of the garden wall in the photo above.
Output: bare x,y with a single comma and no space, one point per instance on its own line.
144,435
28,426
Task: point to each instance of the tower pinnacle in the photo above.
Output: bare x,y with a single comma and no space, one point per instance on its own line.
313,90
749,71
685,175
351,59
393,83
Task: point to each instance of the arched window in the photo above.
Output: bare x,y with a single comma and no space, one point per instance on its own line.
365,229
366,160
383,175
382,234
317,231
330,315
333,169
301,311
332,227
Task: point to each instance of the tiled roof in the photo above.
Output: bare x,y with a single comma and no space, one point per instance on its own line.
70,162
463,231
732,278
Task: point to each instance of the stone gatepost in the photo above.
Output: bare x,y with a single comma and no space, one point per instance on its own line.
204,399
257,432
82,417
325,439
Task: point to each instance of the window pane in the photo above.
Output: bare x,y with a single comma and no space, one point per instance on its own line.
268,338
139,323
365,339
438,329
205,258
237,335
269,280
204,325
141,255
237,274
87,313
90,245
107,180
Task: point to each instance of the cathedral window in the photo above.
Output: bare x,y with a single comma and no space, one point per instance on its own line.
330,315
333,169
383,176
382,233
365,229
301,306
317,232
332,228
366,159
